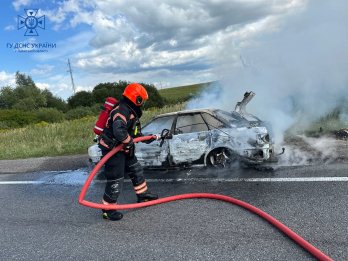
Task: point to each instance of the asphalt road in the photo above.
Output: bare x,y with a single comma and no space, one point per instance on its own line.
41,219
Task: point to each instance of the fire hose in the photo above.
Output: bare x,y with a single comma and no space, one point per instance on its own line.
287,231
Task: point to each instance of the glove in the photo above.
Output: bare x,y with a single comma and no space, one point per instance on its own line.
129,148
155,137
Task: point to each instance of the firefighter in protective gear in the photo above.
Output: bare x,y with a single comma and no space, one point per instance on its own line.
122,126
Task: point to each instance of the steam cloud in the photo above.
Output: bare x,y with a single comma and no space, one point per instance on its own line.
297,70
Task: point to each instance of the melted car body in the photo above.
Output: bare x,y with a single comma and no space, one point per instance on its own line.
206,137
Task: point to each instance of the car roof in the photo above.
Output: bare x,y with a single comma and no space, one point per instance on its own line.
207,110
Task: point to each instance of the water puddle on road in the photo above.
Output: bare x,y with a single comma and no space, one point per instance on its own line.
71,177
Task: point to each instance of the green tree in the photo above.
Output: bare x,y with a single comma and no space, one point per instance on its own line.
28,94
155,99
54,102
108,89
25,104
104,90
7,97
82,98
24,80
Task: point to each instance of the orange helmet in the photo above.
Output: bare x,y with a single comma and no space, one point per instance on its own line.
136,93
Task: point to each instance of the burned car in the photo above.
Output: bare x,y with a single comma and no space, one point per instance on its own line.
204,137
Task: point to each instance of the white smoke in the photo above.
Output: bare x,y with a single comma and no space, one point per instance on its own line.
305,150
298,68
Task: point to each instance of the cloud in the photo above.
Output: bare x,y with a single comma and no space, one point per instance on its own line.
158,23
58,84
9,28
136,35
171,42
42,69
17,4
61,89
42,86
66,48
7,79
130,59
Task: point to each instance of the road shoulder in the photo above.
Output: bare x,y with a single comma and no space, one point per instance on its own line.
59,163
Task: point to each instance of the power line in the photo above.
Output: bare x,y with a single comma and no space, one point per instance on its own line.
71,76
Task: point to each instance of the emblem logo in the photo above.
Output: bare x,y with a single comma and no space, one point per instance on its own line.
31,22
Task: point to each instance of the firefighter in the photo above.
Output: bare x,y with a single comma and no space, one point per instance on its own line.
122,126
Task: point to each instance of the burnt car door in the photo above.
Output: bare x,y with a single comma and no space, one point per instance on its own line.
191,139
153,154
219,136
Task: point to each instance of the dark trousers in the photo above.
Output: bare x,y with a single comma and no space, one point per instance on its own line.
115,169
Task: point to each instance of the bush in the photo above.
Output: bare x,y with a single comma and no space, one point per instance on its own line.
79,113
41,124
15,118
96,108
49,115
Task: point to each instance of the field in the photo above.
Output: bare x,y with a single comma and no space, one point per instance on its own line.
182,93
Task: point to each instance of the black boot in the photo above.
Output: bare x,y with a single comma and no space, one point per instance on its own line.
112,215
146,196
113,189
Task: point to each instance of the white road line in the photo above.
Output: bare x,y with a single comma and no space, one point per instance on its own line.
298,179
20,182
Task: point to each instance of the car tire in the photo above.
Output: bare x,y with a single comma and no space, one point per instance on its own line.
220,158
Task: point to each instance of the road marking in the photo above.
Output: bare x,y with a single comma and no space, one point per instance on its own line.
299,179
20,182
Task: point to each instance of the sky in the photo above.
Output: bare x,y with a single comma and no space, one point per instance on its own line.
165,43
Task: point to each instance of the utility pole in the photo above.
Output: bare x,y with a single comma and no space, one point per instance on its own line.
71,76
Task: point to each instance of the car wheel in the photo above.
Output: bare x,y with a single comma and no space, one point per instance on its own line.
220,158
